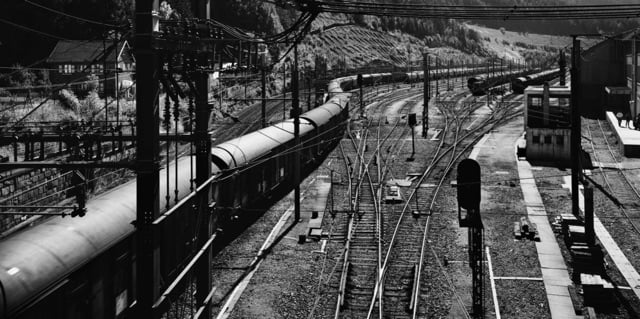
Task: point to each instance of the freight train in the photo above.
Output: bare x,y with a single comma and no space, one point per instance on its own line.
479,85
85,267
518,85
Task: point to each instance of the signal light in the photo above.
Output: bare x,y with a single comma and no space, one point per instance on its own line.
468,183
412,119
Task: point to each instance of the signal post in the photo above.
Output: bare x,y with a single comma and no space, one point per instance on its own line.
468,184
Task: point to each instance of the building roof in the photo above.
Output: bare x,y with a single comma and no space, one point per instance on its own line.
629,34
67,51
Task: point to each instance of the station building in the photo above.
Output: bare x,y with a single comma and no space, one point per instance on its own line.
547,121
607,75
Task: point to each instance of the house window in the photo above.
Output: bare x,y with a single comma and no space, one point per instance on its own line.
559,139
68,68
535,101
547,139
96,68
535,139
60,68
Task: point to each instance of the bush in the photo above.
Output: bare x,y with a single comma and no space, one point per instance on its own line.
68,100
89,106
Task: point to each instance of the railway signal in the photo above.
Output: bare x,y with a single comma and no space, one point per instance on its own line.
359,82
426,95
468,184
412,121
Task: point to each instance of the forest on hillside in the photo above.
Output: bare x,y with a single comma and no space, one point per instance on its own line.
29,32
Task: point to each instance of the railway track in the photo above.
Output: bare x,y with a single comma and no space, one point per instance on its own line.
623,193
363,176
393,285
362,257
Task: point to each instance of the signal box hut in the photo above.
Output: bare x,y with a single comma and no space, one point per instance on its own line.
547,121
608,64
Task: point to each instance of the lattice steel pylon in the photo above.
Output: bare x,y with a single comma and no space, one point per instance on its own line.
476,243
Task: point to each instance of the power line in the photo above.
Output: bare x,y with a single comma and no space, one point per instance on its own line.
474,11
71,16
32,30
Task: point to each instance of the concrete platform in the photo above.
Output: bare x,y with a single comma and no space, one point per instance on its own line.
629,138
315,201
555,274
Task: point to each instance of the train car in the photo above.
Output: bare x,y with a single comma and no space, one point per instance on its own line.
547,125
85,267
481,84
518,85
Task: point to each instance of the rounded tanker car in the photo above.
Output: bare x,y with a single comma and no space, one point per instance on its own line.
518,85
480,84
85,267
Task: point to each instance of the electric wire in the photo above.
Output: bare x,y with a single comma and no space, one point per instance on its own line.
529,12
71,16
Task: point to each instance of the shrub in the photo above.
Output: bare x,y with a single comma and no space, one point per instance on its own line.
68,100
89,106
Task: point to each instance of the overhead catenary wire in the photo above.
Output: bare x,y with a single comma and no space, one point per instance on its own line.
71,16
19,26
530,12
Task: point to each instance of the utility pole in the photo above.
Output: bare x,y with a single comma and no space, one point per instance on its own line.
332,196
263,79
117,70
437,77
295,109
147,161
359,82
634,75
308,93
563,68
502,74
449,76
203,172
284,90
409,61
575,126
426,95
104,74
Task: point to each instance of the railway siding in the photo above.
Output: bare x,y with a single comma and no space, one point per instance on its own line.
313,270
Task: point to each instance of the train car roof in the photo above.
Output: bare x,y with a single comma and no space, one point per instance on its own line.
36,258
554,90
322,114
244,149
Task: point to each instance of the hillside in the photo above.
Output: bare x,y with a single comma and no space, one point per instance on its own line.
35,30
468,39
